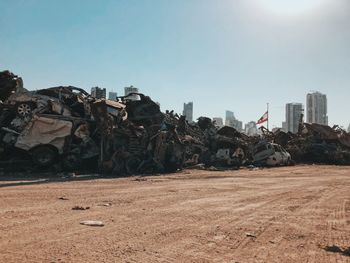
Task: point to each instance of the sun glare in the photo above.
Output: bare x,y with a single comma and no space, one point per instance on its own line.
290,7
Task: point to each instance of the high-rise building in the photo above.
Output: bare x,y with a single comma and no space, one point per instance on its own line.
188,111
294,112
112,95
98,93
251,129
232,121
229,115
238,125
218,121
284,126
316,108
131,89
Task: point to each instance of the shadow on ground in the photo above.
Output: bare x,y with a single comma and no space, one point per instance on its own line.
336,249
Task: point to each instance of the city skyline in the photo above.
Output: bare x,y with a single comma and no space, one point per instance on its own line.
290,125
220,56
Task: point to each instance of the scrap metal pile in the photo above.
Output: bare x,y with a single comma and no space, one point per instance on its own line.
65,129
315,143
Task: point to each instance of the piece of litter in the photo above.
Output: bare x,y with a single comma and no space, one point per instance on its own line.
63,198
106,204
80,208
250,235
92,223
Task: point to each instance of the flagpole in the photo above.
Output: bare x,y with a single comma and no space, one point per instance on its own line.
268,116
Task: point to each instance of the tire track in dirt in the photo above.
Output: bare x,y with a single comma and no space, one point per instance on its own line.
267,236
338,233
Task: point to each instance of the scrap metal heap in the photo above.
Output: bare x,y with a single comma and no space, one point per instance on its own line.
48,128
65,129
314,143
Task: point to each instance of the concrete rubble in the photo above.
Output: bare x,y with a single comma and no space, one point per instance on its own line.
65,129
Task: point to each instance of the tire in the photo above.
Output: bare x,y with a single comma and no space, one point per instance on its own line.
24,109
43,155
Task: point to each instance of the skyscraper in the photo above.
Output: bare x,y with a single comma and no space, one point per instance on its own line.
316,108
293,114
251,129
131,89
98,93
229,115
229,118
188,111
112,95
232,121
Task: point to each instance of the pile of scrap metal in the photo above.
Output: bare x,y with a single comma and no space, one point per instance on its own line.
315,143
48,128
142,139
134,138
65,129
207,146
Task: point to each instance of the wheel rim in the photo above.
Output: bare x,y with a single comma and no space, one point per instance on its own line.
24,109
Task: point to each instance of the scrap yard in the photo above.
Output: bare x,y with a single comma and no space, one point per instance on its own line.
287,214
182,131
97,180
65,129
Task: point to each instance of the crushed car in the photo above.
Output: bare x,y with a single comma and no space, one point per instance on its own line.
270,154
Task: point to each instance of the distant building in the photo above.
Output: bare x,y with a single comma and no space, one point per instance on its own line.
294,112
284,126
229,115
112,95
349,128
188,111
98,93
238,125
251,128
131,89
316,108
218,121
232,121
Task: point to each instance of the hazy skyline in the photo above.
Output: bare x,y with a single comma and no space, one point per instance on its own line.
227,55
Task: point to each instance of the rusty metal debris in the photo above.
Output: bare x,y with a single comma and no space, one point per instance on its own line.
315,143
65,129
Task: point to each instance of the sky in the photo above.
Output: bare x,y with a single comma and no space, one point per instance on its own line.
233,55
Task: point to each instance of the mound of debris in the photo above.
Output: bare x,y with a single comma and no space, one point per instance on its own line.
314,143
65,129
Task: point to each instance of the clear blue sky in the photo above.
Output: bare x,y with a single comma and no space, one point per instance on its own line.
222,55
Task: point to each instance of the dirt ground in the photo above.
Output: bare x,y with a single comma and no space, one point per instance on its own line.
290,214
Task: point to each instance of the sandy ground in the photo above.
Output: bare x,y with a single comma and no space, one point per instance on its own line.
286,214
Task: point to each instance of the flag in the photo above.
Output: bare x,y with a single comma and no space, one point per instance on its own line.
263,118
